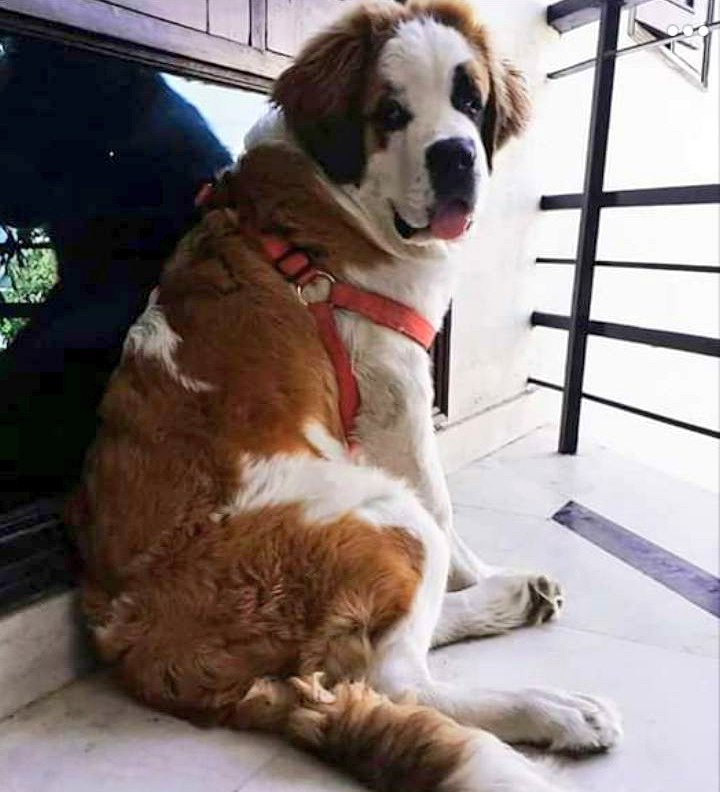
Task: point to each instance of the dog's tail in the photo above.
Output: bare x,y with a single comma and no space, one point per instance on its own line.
388,746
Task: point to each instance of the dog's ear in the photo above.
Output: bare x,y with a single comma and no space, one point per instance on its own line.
322,94
508,107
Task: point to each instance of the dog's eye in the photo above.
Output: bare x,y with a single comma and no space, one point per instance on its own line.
391,115
465,95
471,106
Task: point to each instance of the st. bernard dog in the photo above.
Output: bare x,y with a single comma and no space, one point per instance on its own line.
250,558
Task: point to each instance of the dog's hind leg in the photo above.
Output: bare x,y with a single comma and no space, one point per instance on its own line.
559,721
551,719
399,666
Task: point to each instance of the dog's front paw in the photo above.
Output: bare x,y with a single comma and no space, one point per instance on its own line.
521,598
546,599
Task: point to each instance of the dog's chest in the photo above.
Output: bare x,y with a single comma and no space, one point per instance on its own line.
392,373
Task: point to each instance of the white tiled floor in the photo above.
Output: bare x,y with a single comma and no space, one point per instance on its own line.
622,635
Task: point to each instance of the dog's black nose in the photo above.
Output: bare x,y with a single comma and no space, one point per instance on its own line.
450,164
451,156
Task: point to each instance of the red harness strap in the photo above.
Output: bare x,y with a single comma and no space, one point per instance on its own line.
294,264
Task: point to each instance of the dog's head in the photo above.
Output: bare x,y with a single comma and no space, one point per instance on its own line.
407,105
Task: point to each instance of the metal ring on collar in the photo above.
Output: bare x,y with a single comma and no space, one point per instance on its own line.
319,274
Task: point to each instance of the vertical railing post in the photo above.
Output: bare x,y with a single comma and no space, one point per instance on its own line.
589,224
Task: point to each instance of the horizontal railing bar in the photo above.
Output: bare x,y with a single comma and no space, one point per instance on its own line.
681,342
703,430
642,265
555,321
660,42
652,196
567,15
564,201
17,310
664,196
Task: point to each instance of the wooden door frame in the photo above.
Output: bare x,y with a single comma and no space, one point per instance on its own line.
236,65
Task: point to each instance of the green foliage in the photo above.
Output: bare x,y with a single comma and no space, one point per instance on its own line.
26,278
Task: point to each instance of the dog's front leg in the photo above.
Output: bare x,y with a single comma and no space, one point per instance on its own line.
396,433
466,569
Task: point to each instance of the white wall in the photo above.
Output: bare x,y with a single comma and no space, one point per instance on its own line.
490,341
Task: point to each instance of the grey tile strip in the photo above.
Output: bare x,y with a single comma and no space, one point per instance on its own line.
682,577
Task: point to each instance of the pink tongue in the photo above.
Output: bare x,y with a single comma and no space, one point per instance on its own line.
449,222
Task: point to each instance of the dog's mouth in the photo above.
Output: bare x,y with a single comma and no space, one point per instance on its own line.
404,228
448,222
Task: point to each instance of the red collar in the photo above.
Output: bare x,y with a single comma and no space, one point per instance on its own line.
295,265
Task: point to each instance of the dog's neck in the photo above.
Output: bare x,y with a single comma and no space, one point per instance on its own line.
420,276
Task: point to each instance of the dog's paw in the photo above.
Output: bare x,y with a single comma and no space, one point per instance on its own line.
546,599
571,722
501,602
525,598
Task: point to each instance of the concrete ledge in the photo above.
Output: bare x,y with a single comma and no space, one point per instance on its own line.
42,648
479,435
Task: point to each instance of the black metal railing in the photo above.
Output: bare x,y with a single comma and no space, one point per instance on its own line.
564,16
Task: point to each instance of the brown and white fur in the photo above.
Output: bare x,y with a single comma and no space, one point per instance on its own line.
241,567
